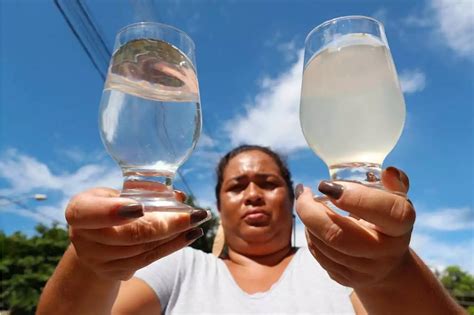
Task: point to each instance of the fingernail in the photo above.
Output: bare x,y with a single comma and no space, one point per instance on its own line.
180,195
298,190
394,171
134,210
409,201
331,189
194,234
198,216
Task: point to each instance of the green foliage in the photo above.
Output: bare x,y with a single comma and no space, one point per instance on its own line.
460,285
210,228
26,264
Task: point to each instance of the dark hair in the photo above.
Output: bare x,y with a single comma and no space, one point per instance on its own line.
280,162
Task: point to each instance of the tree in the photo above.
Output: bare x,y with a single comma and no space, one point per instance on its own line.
460,285
26,264
210,227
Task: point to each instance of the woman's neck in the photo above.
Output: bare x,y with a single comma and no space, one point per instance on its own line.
272,259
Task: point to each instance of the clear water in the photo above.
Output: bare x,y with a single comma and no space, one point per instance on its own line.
150,117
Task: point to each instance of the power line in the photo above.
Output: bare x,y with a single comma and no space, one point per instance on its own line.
19,203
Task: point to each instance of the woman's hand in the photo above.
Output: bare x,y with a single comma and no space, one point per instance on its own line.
364,248
113,237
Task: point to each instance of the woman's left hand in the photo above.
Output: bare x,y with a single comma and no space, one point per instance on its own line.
363,249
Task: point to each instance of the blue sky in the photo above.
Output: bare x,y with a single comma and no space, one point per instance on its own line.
249,61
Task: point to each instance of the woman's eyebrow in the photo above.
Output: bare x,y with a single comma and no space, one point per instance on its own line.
259,176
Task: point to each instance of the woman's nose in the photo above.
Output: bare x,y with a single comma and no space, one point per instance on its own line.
253,194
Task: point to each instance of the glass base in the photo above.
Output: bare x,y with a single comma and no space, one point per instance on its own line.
367,174
153,190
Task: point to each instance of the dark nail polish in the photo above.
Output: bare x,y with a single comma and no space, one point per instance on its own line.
198,216
331,189
409,201
134,210
394,171
298,190
194,234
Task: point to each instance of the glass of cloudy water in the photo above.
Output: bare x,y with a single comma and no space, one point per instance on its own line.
150,114
352,109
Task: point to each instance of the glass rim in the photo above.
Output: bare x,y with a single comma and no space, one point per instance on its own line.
162,25
340,18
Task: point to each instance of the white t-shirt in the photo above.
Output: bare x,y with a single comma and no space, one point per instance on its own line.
193,282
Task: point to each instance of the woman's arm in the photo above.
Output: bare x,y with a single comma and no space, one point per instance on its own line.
109,243
96,295
136,298
411,289
369,250
75,289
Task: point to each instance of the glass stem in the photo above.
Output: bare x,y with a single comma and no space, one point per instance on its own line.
146,185
368,174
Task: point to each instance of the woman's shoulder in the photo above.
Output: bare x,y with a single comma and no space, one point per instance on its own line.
192,255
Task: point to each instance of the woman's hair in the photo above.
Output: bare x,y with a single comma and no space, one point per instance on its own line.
280,162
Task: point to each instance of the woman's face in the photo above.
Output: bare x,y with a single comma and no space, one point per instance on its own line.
255,207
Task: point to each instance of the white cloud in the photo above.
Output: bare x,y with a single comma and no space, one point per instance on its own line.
78,156
205,157
25,175
288,50
447,219
272,119
455,23
412,81
205,141
450,22
439,254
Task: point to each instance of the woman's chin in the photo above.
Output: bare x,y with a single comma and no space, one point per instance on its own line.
258,234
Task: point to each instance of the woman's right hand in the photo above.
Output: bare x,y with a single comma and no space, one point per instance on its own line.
113,237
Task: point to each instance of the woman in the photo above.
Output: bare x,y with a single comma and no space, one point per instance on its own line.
260,271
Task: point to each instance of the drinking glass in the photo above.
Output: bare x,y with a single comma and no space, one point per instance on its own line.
150,114
352,109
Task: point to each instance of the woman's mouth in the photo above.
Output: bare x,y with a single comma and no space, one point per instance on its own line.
256,217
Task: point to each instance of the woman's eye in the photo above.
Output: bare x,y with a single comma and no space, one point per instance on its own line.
236,188
270,185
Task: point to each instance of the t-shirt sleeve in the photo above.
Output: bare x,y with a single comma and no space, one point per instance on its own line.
161,276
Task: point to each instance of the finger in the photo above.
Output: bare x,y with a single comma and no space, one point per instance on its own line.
392,214
336,271
102,192
395,180
100,208
360,264
345,234
93,252
153,226
165,249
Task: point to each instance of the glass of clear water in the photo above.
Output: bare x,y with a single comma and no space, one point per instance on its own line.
352,109
150,112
